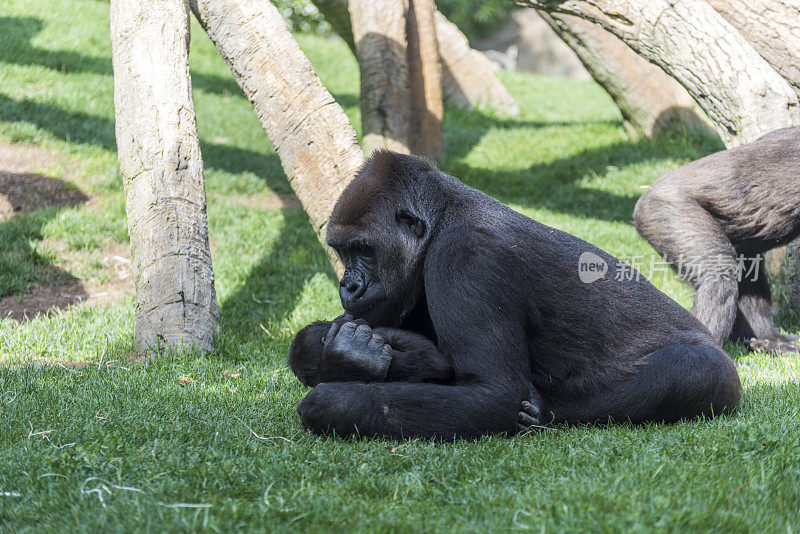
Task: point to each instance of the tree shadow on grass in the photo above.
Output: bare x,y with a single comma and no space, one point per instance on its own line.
555,185
77,127
18,32
274,285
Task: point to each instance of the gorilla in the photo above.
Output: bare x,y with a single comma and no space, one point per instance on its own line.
714,218
467,318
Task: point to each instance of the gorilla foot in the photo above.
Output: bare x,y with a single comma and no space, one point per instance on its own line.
529,417
781,343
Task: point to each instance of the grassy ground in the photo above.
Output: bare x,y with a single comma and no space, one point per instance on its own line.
116,446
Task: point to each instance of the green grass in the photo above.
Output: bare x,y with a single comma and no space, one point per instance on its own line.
69,436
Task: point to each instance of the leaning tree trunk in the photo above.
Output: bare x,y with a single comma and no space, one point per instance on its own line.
772,27
650,100
162,171
314,140
738,90
379,30
468,79
425,81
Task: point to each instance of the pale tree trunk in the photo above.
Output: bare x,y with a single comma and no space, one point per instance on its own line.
379,30
314,140
468,79
650,101
467,75
425,80
772,27
742,95
162,171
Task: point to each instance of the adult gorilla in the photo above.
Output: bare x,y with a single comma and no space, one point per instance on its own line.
498,298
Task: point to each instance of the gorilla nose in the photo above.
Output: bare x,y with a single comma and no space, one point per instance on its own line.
351,289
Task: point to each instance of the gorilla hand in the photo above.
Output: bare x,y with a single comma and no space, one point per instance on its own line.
352,349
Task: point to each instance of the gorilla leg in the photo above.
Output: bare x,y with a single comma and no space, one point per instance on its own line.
754,324
715,305
692,241
673,383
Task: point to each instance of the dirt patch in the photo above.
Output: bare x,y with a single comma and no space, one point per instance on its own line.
24,187
25,192
60,294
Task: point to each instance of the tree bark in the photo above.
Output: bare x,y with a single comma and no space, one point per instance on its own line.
425,80
379,30
742,95
650,100
772,27
783,269
468,79
312,135
467,75
162,171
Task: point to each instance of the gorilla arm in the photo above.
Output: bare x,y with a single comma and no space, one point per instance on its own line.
347,350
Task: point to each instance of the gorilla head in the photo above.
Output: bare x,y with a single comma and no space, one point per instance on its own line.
380,228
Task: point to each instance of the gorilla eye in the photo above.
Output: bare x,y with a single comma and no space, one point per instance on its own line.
411,223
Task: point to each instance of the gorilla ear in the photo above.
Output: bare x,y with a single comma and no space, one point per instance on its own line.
410,223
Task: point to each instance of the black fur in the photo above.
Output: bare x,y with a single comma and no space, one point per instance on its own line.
500,296
728,208
414,358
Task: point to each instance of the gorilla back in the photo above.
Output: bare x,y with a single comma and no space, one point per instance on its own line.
503,298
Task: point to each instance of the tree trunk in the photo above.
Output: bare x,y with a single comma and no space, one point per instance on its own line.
425,80
162,171
314,140
735,86
772,27
650,100
783,269
467,75
379,30
468,79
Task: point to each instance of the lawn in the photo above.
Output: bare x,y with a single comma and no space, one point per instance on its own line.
213,442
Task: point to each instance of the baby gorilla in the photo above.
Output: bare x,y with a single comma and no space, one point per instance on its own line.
346,350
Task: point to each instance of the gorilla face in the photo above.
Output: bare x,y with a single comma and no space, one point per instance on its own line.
382,281
380,228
